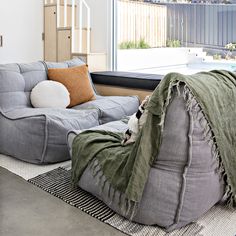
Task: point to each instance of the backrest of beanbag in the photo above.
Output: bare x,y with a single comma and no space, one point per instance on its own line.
18,80
16,83
184,182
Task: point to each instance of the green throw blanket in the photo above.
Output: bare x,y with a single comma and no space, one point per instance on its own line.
126,168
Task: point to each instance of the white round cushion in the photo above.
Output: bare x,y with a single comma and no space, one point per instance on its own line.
47,94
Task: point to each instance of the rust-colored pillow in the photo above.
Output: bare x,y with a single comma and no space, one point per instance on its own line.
77,82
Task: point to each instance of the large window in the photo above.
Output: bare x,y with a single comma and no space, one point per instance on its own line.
162,36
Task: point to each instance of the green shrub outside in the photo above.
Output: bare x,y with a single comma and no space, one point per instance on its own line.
173,43
141,44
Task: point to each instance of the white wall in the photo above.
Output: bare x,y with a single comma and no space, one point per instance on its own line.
21,24
101,26
138,59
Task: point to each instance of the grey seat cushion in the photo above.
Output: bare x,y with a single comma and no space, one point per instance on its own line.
183,182
39,135
112,107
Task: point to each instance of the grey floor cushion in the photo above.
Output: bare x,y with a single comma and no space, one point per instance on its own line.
183,182
39,135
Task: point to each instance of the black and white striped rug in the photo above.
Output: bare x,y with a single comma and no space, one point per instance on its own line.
57,182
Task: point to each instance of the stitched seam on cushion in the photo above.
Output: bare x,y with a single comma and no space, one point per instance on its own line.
20,72
19,91
99,115
184,183
23,79
107,109
45,139
139,101
24,72
8,70
45,65
4,114
46,130
19,67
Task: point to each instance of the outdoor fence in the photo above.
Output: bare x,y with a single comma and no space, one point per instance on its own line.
139,20
208,25
205,25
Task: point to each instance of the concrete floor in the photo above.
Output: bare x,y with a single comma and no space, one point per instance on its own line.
26,210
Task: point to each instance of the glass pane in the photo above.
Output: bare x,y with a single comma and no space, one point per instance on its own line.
187,37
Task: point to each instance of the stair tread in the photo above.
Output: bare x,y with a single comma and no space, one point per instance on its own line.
84,28
69,27
64,28
84,54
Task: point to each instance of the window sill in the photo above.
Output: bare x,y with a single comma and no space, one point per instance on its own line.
127,79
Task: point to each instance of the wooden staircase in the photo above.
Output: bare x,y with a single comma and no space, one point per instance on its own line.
65,35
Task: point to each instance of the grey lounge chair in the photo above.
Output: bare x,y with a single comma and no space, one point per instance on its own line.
39,135
180,187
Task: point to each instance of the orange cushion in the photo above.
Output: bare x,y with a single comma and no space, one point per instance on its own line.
76,80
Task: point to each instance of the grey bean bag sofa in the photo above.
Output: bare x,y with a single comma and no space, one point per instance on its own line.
38,135
183,182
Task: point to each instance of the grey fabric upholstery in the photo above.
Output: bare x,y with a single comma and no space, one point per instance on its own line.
16,83
115,126
181,185
112,107
39,135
